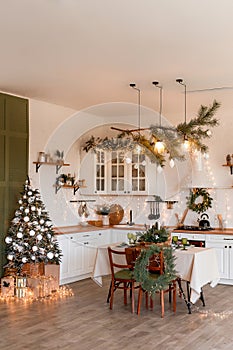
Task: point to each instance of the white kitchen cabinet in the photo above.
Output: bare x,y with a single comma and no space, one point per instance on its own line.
224,249
79,251
63,242
112,173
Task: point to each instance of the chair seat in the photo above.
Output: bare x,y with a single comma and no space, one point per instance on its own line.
124,274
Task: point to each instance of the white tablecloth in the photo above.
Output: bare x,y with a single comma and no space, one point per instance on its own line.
195,265
198,266
102,265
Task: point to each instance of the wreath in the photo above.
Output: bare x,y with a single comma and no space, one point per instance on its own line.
202,206
142,275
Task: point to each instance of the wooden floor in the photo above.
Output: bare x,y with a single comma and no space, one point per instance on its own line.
84,322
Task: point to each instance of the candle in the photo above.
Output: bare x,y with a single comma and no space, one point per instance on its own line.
130,216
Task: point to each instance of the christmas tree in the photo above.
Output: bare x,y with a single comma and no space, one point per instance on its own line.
31,238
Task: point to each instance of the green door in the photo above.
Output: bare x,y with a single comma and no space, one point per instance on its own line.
14,137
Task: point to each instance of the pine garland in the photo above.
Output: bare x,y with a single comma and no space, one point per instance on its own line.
196,130
142,275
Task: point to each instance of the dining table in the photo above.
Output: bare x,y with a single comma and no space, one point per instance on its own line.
195,265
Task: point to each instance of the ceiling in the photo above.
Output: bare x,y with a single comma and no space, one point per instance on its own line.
80,53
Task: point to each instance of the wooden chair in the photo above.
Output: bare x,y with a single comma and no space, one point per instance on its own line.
156,268
122,276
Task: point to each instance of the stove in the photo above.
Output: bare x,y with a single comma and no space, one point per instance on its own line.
195,228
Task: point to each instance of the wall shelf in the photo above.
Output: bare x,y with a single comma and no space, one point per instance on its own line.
57,164
230,166
74,187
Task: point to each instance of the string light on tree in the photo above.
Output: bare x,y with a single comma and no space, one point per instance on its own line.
30,237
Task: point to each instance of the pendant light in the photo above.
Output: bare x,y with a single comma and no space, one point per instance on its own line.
133,86
181,82
159,145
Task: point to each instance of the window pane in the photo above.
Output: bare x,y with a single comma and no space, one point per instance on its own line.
114,171
134,158
97,184
134,172
97,170
114,185
121,170
121,157
142,185
121,185
102,157
114,157
102,170
102,185
142,171
134,185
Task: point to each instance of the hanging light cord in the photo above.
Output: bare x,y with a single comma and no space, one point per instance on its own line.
180,81
132,85
156,83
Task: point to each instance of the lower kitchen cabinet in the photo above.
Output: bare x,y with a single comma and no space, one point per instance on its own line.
224,249
79,251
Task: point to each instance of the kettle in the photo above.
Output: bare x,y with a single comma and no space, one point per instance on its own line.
204,222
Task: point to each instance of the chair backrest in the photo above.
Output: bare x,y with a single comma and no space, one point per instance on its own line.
117,259
156,263
131,254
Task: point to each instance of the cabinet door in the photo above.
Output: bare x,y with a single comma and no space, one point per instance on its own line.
76,257
231,261
63,242
222,253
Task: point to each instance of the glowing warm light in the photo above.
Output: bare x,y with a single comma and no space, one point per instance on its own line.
186,145
159,147
159,169
128,160
138,149
172,163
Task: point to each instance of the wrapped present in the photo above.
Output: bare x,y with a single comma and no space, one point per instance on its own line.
33,269
21,282
41,286
21,292
7,286
53,271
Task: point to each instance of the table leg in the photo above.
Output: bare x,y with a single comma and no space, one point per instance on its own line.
187,301
202,297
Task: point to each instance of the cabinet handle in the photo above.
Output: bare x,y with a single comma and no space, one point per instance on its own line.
86,243
100,234
86,235
71,237
225,246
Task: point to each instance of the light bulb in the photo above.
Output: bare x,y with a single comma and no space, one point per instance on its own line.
159,147
138,149
159,169
186,145
206,156
171,163
144,163
209,133
128,160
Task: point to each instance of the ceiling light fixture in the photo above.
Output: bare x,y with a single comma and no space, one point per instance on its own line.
133,86
159,145
186,141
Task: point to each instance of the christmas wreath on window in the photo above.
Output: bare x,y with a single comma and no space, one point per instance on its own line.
200,206
142,275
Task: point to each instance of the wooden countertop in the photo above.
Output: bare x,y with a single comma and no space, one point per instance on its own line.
216,231
78,228
89,228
